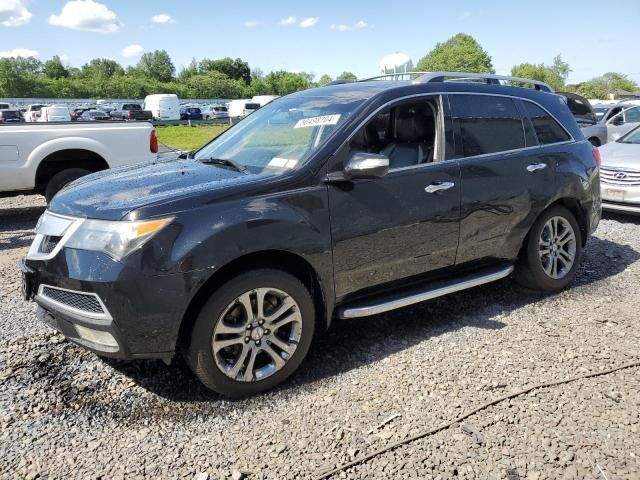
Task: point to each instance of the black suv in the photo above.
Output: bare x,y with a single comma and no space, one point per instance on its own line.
342,201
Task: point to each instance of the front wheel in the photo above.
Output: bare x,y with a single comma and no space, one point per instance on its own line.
61,180
252,333
551,253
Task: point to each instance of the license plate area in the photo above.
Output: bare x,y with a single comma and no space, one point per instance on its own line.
614,194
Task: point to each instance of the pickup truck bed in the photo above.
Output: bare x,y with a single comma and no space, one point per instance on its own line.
43,158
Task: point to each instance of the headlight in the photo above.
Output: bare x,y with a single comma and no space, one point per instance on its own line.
117,239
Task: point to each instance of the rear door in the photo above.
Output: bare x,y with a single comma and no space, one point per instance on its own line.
506,178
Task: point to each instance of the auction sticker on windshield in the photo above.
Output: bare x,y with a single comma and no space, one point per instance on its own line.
318,121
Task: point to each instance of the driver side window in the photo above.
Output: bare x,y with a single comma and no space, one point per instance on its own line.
406,133
632,115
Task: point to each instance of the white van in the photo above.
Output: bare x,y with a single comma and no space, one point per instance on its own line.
236,107
55,113
163,106
262,100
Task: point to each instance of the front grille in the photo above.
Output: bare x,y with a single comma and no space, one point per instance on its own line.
49,243
85,302
620,177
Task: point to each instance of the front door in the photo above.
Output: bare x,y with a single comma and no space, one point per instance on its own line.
406,223
622,123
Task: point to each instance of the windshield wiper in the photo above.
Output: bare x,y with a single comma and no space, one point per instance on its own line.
227,163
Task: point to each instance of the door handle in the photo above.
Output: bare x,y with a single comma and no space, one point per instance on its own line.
437,186
534,167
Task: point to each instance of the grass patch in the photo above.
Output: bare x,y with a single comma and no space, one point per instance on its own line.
184,137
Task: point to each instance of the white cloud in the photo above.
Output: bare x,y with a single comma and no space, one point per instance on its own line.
464,15
87,15
162,18
63,57
289,20
308,22
134,50
19,52
359,25
251,23
13,13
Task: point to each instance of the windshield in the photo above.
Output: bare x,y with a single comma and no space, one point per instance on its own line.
283,134
632,137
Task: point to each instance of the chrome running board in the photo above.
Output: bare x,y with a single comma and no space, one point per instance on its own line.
469,281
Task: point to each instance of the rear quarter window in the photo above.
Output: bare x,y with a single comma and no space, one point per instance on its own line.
488,124
547,129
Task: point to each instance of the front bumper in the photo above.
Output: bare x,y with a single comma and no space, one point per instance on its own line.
620,198
120,313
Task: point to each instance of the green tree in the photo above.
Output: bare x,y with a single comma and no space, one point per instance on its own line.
324,79
461,53
619,81
595,88
102,68
55,69
189,71
234,69
157,65
20,77
560,68
608,84
346,76
555,74
284,83
214,85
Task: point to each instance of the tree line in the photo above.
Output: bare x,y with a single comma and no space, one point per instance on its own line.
462,53
154,73
233,78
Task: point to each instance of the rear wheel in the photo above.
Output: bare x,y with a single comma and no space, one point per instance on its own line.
252,333
552,252
61,180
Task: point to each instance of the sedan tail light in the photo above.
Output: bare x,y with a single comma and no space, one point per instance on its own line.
130,115
153,142
596,156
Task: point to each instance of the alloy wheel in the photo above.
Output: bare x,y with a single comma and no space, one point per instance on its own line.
557,247
256,334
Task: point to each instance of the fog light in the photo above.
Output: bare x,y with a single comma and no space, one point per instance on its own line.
96,336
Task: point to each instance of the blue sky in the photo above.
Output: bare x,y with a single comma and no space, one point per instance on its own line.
328,36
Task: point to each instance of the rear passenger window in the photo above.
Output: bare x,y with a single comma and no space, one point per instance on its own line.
488,124
546,128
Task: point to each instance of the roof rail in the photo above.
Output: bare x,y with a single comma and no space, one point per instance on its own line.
428,77
486,77
395,76
338,82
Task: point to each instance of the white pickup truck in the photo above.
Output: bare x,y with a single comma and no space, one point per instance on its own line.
43,158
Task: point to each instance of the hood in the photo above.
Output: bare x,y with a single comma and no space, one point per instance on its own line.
112,194
620,155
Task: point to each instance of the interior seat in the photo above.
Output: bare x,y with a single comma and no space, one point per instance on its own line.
413,140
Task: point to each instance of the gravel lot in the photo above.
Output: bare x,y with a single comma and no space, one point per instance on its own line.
65,413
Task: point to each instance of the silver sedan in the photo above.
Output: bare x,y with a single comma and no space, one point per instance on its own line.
620,173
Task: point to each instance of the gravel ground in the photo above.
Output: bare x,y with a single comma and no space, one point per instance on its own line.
64,413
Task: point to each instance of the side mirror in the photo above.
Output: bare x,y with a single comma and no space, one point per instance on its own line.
366,165
617,120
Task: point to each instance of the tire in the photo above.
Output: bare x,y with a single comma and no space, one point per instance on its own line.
535,269
222,325
61,180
